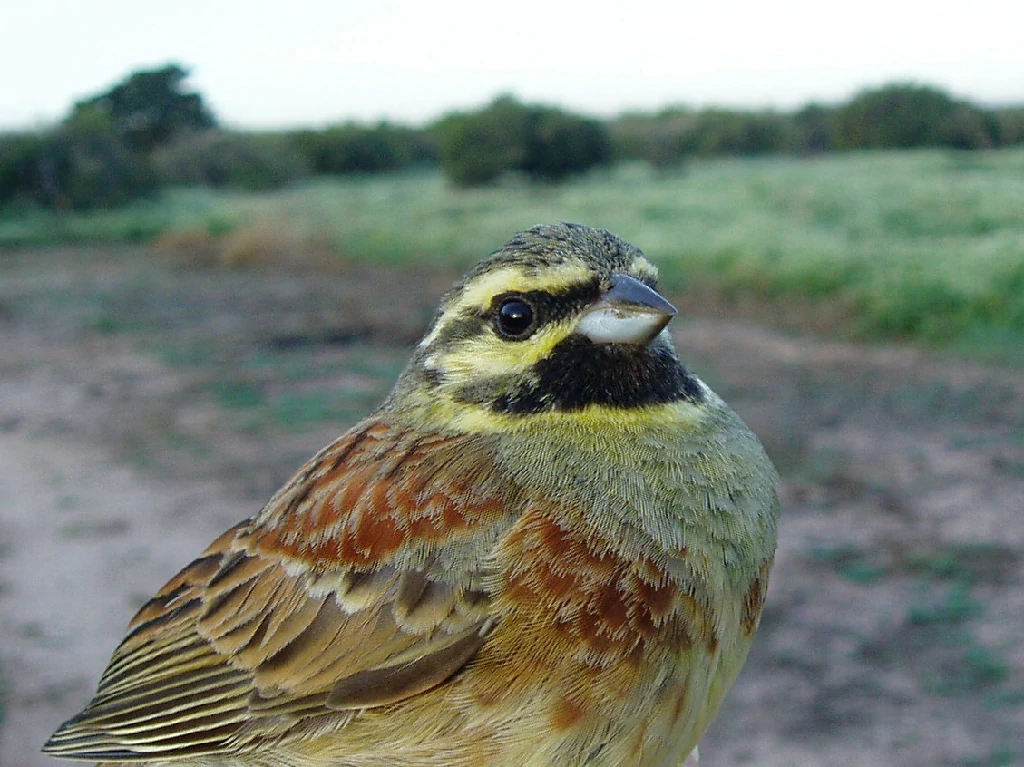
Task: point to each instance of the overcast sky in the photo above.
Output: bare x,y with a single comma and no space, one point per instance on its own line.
312,62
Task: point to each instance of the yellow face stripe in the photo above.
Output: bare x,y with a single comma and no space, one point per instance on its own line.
596,418
488,355
471,418
478,294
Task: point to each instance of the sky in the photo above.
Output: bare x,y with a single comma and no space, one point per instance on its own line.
315,62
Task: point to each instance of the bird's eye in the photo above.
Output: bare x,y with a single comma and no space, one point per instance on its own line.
514,319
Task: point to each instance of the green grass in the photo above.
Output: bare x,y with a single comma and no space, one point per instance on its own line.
924,245
174,210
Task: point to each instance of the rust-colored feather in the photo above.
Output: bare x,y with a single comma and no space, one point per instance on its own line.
330,599
609,605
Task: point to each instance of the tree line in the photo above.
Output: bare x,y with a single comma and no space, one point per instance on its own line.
149,132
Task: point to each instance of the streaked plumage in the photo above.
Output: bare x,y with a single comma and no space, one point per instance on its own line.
549,546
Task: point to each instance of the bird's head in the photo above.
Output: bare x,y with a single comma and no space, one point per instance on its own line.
561,319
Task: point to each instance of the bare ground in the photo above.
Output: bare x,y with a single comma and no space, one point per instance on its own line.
145,406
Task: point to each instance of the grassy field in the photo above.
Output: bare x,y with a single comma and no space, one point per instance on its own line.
927,246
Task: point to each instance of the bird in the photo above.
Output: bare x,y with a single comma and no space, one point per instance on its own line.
550,545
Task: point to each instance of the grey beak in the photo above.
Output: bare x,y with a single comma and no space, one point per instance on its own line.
629,312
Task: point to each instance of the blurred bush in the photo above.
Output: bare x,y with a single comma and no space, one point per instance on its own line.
655,139
149,108
477,147
1010,121
721,131
100,155
667,138
354,148
228,159
560,144
19,157
88,166
897,116
813,129
81,165
148,131
545,143
905,116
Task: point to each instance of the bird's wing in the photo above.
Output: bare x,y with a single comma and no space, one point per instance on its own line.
358,585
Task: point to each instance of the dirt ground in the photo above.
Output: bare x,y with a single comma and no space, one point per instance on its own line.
146,405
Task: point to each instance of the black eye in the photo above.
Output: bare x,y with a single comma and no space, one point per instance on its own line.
514,319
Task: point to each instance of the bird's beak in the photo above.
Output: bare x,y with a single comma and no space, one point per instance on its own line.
629,312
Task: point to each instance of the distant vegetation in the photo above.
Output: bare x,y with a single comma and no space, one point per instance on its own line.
100,156
545,143
783,213
923,245
148,133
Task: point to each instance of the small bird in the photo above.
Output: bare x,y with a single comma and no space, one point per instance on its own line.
549,546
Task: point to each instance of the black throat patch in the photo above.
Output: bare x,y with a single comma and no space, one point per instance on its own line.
579,373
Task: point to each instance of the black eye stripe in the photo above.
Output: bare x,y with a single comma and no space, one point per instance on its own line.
552,307
548,307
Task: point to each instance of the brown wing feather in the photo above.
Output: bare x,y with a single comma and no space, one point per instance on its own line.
358,585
